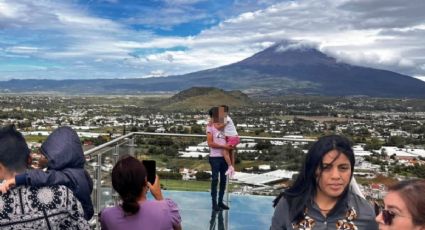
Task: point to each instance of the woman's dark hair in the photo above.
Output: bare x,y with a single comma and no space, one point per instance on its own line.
213,112
412,193
305,186
129,179
14,150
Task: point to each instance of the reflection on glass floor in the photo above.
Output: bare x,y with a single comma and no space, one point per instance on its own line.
217,221
246,212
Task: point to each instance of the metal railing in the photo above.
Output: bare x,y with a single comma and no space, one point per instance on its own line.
103,157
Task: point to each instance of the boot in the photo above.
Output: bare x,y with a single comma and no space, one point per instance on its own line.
215,207
221,205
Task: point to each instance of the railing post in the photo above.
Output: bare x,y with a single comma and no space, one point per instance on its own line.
226,224
131,146
115,154
98,186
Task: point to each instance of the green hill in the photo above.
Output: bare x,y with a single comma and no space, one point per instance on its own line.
203,98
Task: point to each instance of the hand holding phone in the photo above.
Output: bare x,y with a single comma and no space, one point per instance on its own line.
156,189
150,166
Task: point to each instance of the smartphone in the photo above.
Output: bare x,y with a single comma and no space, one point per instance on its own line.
150,166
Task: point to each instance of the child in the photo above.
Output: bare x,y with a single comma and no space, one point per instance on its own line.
64,156
232,138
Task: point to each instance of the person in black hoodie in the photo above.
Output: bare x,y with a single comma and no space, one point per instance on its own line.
65,166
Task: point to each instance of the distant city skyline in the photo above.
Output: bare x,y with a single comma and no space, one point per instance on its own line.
87,39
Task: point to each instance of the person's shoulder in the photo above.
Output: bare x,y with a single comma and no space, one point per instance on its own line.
167,202
281,202
170,203
110,211
361,204
209,127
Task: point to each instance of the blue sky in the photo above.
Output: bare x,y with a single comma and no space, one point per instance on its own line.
82,39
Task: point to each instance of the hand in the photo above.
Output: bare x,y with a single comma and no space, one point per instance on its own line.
6,185
156,189
228,147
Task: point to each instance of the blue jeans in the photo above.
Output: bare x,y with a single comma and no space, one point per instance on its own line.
218,167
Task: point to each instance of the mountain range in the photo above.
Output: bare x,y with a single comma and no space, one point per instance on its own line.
278,70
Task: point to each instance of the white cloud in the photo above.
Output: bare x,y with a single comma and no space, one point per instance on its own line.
22,49
422,78
377,33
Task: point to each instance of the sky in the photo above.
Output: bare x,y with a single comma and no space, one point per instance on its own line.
84,39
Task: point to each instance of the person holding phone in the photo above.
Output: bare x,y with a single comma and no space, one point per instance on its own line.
404,206
129,179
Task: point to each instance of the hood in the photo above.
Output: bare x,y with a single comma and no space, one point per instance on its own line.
63,149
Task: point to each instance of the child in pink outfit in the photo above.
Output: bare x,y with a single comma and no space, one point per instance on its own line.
232,139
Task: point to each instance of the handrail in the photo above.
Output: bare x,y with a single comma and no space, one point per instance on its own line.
90,151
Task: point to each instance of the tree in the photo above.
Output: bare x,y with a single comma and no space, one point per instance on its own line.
396,141
197,129
171,151
203,176
170,175
373,144
261,145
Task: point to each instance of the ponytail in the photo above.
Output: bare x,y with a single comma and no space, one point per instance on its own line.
130,204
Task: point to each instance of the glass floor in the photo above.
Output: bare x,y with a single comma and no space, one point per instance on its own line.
246,212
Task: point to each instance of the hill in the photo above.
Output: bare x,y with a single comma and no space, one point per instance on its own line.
203,98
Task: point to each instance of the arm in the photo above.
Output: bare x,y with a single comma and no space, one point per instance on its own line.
103,225
6,185
219,126
280,216
176,219
212,144
156,189
40,178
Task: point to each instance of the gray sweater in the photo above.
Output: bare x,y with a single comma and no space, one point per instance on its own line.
360,211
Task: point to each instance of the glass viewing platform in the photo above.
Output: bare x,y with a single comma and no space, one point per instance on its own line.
246,211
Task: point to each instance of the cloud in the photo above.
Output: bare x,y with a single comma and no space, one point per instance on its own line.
22,50
384,14
422,78
108,35
339,30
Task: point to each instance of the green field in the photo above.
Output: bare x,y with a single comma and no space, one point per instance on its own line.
191,185
35,138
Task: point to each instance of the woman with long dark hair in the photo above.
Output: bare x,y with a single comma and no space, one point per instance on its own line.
136,211
404,206
320,197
